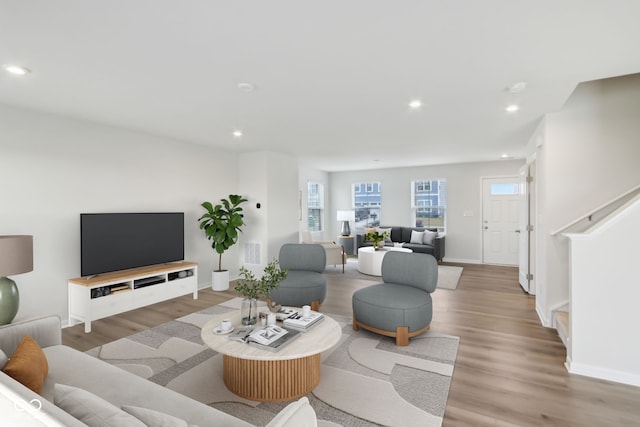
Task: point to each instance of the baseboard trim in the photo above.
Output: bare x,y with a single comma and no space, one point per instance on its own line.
603,373
543,319
462,261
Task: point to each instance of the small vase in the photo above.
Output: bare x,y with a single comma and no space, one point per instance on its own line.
249,311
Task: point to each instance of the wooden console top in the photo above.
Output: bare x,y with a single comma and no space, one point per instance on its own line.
131,273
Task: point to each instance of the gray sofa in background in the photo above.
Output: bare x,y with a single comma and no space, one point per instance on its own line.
403,235
111,386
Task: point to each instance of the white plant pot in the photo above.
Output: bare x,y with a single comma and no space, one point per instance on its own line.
220,280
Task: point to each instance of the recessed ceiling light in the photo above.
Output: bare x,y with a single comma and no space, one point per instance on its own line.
415,104
505,156
512,108
17,70
246,87
517,87
237,133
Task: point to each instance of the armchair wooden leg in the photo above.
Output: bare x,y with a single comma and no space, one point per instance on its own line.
402,336
355,323
315,305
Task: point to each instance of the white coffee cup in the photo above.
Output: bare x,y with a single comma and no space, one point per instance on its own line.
271,319
225,325
306,311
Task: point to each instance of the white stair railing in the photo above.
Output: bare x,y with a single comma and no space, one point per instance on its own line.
592,217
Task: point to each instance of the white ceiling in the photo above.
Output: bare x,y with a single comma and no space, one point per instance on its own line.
333,78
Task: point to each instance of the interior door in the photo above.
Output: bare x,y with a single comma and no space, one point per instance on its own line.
500,220
524,270
532,198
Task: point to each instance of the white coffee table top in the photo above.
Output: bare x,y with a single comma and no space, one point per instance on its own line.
370,260
319,338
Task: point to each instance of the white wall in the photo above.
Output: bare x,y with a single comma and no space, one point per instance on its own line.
604,299
283,202
252,185
54,168
589,157
270,179
464,194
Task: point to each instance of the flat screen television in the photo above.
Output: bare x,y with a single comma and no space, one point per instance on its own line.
119,241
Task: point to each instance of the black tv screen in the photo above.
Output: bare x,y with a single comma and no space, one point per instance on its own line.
119,241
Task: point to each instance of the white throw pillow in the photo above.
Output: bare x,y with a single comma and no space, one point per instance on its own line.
154,418
388,231
417,237
91,409
429,236
296,414
3,360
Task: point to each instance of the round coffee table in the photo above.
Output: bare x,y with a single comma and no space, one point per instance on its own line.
370,260
266,376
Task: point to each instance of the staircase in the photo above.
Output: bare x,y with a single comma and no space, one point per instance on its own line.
561,323
599,318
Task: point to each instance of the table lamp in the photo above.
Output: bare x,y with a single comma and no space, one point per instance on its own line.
345,217
16,257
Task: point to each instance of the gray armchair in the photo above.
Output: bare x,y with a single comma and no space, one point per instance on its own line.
305,283
401,307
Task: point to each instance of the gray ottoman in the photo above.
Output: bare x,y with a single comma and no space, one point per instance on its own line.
401,307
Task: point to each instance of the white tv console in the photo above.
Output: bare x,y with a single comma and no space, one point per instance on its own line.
92,298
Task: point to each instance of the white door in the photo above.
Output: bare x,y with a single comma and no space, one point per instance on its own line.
500,220
527,231
524,270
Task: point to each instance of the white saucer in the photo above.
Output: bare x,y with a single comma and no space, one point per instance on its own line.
219,331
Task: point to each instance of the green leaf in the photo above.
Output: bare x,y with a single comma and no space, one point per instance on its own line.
207,206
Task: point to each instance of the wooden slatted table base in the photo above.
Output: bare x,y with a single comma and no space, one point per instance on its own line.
271,380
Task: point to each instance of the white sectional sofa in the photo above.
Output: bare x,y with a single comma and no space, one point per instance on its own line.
109,386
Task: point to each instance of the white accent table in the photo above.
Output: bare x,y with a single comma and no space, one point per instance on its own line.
266,376
370,260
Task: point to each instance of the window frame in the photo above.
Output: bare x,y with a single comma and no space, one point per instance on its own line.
315,203
426,203
372,189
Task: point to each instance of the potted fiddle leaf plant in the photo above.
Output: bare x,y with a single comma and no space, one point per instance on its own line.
222,224
252,288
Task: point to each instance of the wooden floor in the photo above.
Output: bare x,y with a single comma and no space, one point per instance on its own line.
509,370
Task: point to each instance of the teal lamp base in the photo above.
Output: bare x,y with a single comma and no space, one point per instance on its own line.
9,300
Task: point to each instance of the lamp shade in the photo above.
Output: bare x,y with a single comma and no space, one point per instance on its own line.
16,255
346,215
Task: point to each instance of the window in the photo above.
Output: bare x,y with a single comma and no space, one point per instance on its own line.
505,189
429,203
367,204
315,205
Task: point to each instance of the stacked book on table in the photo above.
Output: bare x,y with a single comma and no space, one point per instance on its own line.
281,314
271,338
298,322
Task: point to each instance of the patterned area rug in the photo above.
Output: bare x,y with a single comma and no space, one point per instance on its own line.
448,275
365,380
